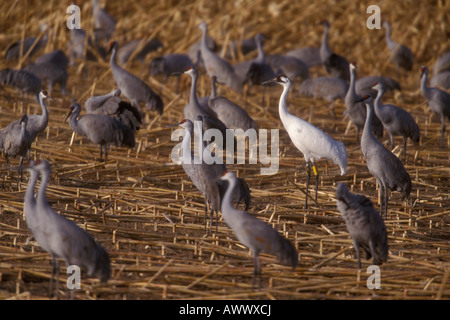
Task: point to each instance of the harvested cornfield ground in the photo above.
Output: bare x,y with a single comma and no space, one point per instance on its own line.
149,216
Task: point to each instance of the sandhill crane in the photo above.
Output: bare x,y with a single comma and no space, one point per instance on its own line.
216,66
356,111
25,81
363,86
204,175
57,56
387,169
13,51
309,55
396,121
57,235
132,87
312,142
255,234
104,23
169,65
110,104
194,51
365,226
232,115
193,109
437,99
402,56
51,73
328,88
100,129
36,123
335,65
442,63
125,51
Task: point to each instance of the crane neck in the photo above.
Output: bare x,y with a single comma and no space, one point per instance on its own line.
423,84
367,131
226,206
352,87
73,121
390,43
204,43
29,194
325,50
282,106
193,100
186,154
377,101
213,90
261,57
41,195
112,60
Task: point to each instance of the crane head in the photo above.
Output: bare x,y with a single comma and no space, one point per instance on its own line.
73,107
44,95
353,65
423,70
378,86
112,46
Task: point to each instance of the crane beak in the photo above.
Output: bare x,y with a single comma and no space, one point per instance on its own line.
69,114
269,82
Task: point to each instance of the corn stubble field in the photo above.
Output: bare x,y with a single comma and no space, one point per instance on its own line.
149,216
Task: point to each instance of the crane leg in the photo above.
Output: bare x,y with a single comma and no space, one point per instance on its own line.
358,254
257,272
206,213
308,172
316,174
55,274
441,143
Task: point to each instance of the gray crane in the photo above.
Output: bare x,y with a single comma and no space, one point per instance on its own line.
101,129
125,51
402,56
57,56
204,175
110,104
309,55
24,81
59,236
438,100
335,65
387,169
356,111
216,66
13,51
396,121
51,73
365,226
442,63
193,109
15,141
169,65
104,23
328,88
232,115
312,142
441,80
194,51
253,233
363,86
35,123
132,87
254,71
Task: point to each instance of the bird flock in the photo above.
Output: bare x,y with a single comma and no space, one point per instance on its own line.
115,118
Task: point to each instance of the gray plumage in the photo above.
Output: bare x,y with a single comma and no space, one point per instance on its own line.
396,121
194,51
442,63
441,80
13,51
59,236
328,88
24,81
216,66
110,104
81,47
104,23
292,67
387,169
58,57
363,86
50,73
101,129
172,64
125,51
364,224
244,47
356,111
232,115
438,100
335,65
253,233
402,56
132,87
309,55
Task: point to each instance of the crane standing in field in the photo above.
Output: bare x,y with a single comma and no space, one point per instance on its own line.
437,99
387,169
60,237
255,234
24,81
132,87
310,140
401,54
216,66
365,226
396,121
170,65
101,129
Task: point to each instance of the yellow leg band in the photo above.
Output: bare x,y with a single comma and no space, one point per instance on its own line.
315,170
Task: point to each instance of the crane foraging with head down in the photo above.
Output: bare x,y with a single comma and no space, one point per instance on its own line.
365,226
255,234
310,140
